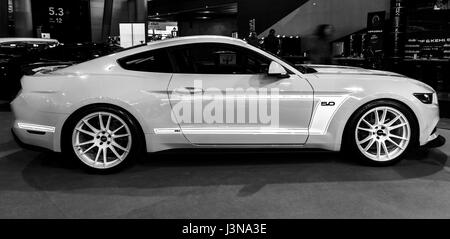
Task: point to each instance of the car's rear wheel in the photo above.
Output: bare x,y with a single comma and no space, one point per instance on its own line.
382,133
103,139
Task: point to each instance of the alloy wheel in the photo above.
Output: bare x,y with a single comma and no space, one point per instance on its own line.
383,133
101,140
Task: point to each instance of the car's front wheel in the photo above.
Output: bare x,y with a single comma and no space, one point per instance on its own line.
103,139
382,133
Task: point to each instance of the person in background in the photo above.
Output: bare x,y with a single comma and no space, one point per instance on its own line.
319,47
253,39
369,57
271,43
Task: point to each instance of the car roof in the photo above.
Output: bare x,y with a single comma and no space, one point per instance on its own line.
179,41
25,39
196,39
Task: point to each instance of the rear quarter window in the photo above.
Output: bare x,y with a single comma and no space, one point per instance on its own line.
149,61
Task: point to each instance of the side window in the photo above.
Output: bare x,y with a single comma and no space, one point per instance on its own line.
149,61
216,58
256,63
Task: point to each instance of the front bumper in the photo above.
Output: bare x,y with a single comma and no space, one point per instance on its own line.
438,141
428,120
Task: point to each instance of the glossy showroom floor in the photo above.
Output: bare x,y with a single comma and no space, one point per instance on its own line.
230,184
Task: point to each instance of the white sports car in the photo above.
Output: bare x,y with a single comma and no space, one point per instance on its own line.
211,91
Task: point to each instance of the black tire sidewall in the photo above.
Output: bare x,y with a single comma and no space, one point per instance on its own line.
351,146
136,146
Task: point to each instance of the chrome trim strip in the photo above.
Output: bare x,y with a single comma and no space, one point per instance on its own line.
167,131
293,131
36,127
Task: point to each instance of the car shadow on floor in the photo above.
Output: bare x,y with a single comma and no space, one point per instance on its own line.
202,168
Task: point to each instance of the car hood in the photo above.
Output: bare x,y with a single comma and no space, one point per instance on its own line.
348,70
336,78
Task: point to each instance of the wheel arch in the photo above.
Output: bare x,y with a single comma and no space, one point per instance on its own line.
345,132
64,128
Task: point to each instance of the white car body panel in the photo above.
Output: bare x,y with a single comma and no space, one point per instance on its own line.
294,93
50,99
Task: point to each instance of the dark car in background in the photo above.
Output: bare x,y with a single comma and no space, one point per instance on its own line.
25,56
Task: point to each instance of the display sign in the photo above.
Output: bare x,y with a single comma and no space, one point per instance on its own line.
131,34
45,35
428,45
252,25
398,27
227,59
373,40
11,22
66,21
56,15
162,26
166,29
375,22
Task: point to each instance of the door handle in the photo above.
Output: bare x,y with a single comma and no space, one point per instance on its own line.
193,90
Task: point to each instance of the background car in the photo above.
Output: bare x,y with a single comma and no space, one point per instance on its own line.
106,111
19,56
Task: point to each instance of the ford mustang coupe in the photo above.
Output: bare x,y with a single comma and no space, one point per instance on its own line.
212,91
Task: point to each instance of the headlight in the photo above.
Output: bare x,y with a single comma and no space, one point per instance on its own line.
426,98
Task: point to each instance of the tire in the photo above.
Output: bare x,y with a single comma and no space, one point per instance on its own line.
102,146
384,140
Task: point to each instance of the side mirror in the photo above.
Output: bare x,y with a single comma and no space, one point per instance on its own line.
277,70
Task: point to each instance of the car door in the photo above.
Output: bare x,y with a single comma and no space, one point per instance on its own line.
221,94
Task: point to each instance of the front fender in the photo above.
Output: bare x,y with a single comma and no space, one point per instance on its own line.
331,139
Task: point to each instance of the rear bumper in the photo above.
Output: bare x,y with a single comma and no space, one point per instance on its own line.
27,138
27,146
32,126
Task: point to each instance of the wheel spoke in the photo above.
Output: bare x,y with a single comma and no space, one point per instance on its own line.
385,149
394,143
118,129
120,136
393,121
383,116
367,123
102,127
364,129
369,145
377,117
366,139
85,143
115,152
397,126
93,129
97,156
118,146
105,155
108,122
397,137
378,149
86,132
87,150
